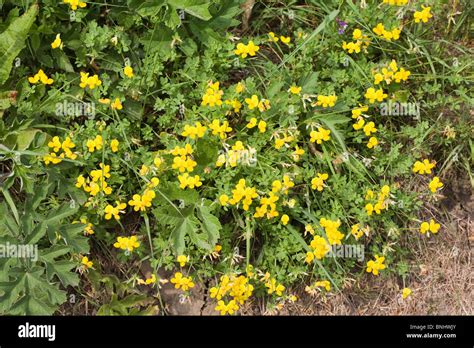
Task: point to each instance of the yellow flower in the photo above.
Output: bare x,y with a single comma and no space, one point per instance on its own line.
128,71
252,102
326,101
262,126
114,211
182,259
374,266
127,243
423,16
193,132
431,226
186,180
369,128
320,248
373,142
320,135
285,39
284,219
324,284
295,89
357,112
273,37
94,144
423,167
274,287
86,263
375,95
229,308
223,200
40,77
57,42
117,105
406,292
140,203
359,125
213,95
356,231
317,183
246,50
89,81
239,88
114,145
435,184
74,4
179,281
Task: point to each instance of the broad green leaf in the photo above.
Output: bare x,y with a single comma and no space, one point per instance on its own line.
12,41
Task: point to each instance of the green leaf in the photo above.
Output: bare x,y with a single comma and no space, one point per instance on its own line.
12,41
186,226
210,224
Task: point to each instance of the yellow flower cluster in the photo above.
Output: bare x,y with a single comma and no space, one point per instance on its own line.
185,180
374,266
140,203
193,132
96,181
320,135
182,282
331,228
241,193
326,101
390,73
183,160
262,125
435,184
238,288
182,260
424,15
373,95
281,141
86,263
274,287
368,128
356,231
274,38
147,281
56,145
320,247
246,50
317,183
430,226
88,230
267,207
127,243
213,95
361,40
254,102
389,35
40,76
95,144
396,2
89,81
110,211
284,186
423,167
128,71
74,4
381,203
220,129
